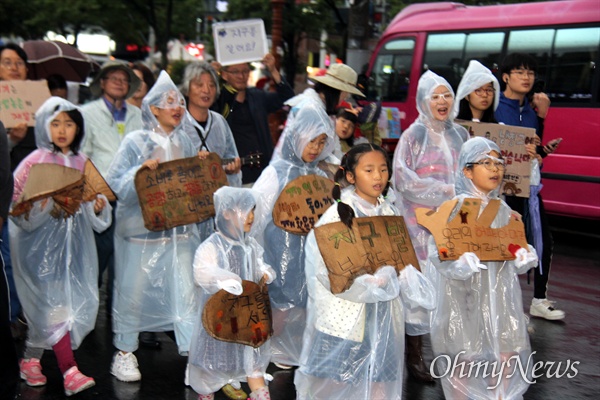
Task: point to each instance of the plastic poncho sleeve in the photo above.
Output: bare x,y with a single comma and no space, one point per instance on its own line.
525,259
416,289
263,267
426,191
121,174
461,269
211,277
268,187
38,215
100,222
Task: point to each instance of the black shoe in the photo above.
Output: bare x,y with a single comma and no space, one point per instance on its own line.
414,360
149,340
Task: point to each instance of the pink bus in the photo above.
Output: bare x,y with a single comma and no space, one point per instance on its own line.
564,37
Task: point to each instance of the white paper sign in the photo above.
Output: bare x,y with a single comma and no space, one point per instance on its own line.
240,41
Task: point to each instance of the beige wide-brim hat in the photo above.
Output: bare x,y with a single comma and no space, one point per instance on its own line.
134,81
341,77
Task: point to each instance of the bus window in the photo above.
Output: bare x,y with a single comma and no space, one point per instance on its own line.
444,56
537,43
390,75
573,63
485,48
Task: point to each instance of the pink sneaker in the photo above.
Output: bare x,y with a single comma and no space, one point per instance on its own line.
76,382
206,396
31,372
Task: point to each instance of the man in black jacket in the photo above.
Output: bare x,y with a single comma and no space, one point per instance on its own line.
246,111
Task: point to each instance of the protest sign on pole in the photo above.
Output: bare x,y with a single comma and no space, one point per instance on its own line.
240,41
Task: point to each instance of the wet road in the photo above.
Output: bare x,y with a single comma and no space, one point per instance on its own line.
574,285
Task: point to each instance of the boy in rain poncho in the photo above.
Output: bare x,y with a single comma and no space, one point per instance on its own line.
153,289
222,261
54,257
479,317
308,141
424,164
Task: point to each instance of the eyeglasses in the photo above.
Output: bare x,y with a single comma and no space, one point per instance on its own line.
237,71
9,64
490,165
316,143
523,73
114,79
484,92
443,96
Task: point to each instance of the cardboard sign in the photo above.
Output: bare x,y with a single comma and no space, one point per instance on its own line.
240,41
512,141
179,192
95,183
65,185
301,203
469,233
244,319
19,100
372,242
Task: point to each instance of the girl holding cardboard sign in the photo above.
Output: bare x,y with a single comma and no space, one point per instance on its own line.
479,316
353,345
54,253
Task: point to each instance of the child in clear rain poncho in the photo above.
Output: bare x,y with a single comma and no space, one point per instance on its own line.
424,164
477,95
153,288
353,345
479,317
54,255
222,261
308,141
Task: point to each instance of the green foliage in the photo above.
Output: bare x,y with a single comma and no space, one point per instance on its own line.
176,70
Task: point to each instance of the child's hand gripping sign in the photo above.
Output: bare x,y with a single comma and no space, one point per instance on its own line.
468,232
301,203
373,242
244,318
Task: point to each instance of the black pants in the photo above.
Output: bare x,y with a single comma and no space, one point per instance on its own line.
105,247
540,279
9,366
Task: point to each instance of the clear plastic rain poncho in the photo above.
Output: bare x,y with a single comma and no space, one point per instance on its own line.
353,345
218,139
153,288
284,251
475,77
54,259
425,161
222,261
479,317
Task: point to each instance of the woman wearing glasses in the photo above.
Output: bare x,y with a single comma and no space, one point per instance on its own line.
424,164
477,92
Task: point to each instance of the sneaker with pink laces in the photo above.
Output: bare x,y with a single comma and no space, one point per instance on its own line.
76,382
31,372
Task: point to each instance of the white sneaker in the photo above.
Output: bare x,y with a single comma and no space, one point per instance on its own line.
125,367
186,378
543,308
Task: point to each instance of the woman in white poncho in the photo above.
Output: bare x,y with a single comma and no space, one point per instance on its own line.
222,261
153,289
479,317
54,257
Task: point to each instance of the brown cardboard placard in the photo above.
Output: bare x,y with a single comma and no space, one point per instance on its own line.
511,140
372,242
467,232
302,202
179,192
19,100
63,184
95,183
244,319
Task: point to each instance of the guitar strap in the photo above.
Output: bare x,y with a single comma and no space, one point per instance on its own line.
207,130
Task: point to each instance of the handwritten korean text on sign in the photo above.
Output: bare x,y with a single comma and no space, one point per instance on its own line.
239,42
19,100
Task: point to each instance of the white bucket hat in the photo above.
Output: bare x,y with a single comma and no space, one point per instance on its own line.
341,77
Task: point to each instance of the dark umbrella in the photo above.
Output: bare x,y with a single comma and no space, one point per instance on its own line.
46,58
